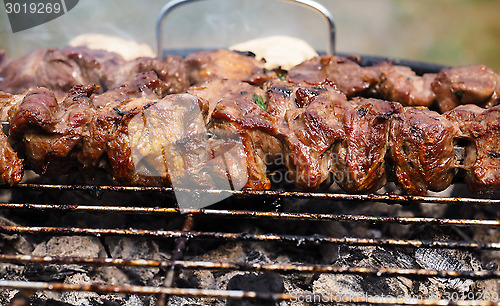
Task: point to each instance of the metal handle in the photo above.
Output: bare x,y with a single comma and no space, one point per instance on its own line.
167,9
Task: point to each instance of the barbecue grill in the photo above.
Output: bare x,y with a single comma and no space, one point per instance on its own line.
278,218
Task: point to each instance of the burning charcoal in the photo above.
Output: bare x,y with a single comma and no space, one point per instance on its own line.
454,260
50,273
261,282
353,286
136,249
71,246
13,243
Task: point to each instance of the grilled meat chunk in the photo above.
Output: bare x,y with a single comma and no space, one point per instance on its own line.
11,166
421,143
48,68
483,171
241,109
166,142
281,97
401,84
464,117
225,64
8,102
48,133
360,158
350,78
109,70
143,85
215,89
60,70
466,85
311,133
110,134
54,136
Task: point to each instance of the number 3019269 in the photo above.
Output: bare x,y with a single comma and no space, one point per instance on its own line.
33,8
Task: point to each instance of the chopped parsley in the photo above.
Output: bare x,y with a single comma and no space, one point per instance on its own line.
282,76
280,73
459,94
259,101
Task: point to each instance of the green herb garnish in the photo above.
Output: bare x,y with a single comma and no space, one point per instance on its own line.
259,101
459,94
281,73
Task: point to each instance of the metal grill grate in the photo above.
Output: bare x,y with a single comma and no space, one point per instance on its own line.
186,236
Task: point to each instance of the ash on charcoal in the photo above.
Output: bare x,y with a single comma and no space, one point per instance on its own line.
355,285
137,248
13,244
70,246
238,252
438,259
63,246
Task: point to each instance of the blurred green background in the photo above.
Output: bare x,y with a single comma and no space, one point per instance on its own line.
453,32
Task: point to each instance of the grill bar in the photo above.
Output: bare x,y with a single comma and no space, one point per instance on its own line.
178,254
385,198
230,294
282,268
254,214
299,240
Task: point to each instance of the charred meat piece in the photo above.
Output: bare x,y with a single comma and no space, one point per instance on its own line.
216,90
48,68
133,135
310,135
143,85
466,85
60,70
109,70
421,143
50,134
172,70
483,176
349,77
464,117
225,64
281,97
11,166
8,102
308,118
56,137
360,158
243,111
166,142
401,84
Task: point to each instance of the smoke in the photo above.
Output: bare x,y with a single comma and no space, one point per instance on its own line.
201,24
